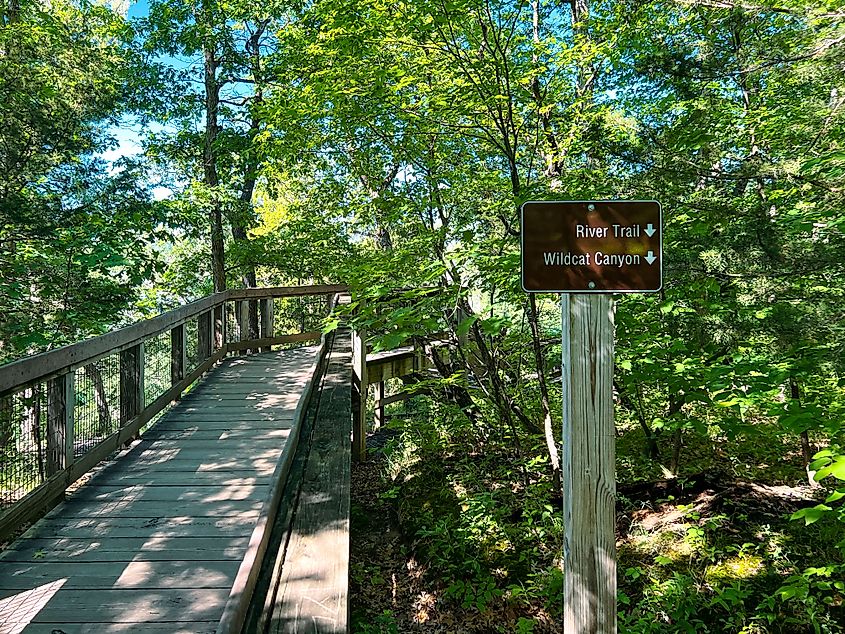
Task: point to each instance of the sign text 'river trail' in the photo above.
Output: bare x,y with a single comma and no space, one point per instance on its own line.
592,247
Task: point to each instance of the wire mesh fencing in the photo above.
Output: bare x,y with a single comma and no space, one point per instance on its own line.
23,430
231,319
96,407
192,352
292,315
157,376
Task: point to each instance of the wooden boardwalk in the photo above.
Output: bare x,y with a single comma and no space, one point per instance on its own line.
165,539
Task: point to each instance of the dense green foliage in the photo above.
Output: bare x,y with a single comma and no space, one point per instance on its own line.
73,233
389,145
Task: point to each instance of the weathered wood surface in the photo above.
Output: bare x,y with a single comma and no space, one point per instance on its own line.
360,391
240,595
154,542
589,466
49,364
389,364
312,589
287,291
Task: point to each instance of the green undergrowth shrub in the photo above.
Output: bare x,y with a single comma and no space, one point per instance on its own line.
478,508
741,570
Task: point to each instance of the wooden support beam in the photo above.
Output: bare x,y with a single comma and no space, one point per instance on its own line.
360,390
589,488
379,419
205,336
286,291
402,396
61,399
298,337
267,322
392,364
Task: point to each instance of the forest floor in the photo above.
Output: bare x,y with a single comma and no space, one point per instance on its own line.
706,552
390,592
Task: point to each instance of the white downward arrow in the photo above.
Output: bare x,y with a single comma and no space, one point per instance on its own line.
650,257
650,231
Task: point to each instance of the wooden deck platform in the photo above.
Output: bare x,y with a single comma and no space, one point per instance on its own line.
166,538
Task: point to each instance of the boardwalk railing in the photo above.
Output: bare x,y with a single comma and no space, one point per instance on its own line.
63,411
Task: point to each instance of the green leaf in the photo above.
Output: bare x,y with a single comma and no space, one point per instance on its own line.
835,496
465,325
811,515
837,470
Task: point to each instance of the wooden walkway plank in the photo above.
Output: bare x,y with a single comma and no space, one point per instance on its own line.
156,541
312,592
169,493
110,575
65,549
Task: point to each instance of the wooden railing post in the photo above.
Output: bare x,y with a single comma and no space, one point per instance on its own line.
267,321
131,382
205,335
254,321
61,399
379,413
360,387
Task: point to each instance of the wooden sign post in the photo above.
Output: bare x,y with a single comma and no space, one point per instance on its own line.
585,251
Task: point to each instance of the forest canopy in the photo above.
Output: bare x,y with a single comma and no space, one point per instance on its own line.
151,157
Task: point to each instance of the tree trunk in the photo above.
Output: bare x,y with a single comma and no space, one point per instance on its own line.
104,420
677,442
551,445
554,168
807,449
676,403
211,179
652,451
242,220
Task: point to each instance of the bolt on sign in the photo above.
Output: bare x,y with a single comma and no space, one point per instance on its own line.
602,246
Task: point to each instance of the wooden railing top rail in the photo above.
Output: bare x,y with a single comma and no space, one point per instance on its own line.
285,291
50,364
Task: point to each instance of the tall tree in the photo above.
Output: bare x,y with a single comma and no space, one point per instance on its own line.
74,234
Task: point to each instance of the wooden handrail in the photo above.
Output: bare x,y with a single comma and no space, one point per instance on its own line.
54,362
47,365
56,369
286,291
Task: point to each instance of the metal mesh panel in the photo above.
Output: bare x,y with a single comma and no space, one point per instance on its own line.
97,411
214,329
191,346
231,322
23,427
298,314
156,367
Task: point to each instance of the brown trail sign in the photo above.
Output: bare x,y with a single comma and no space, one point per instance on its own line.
591,247
585,251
